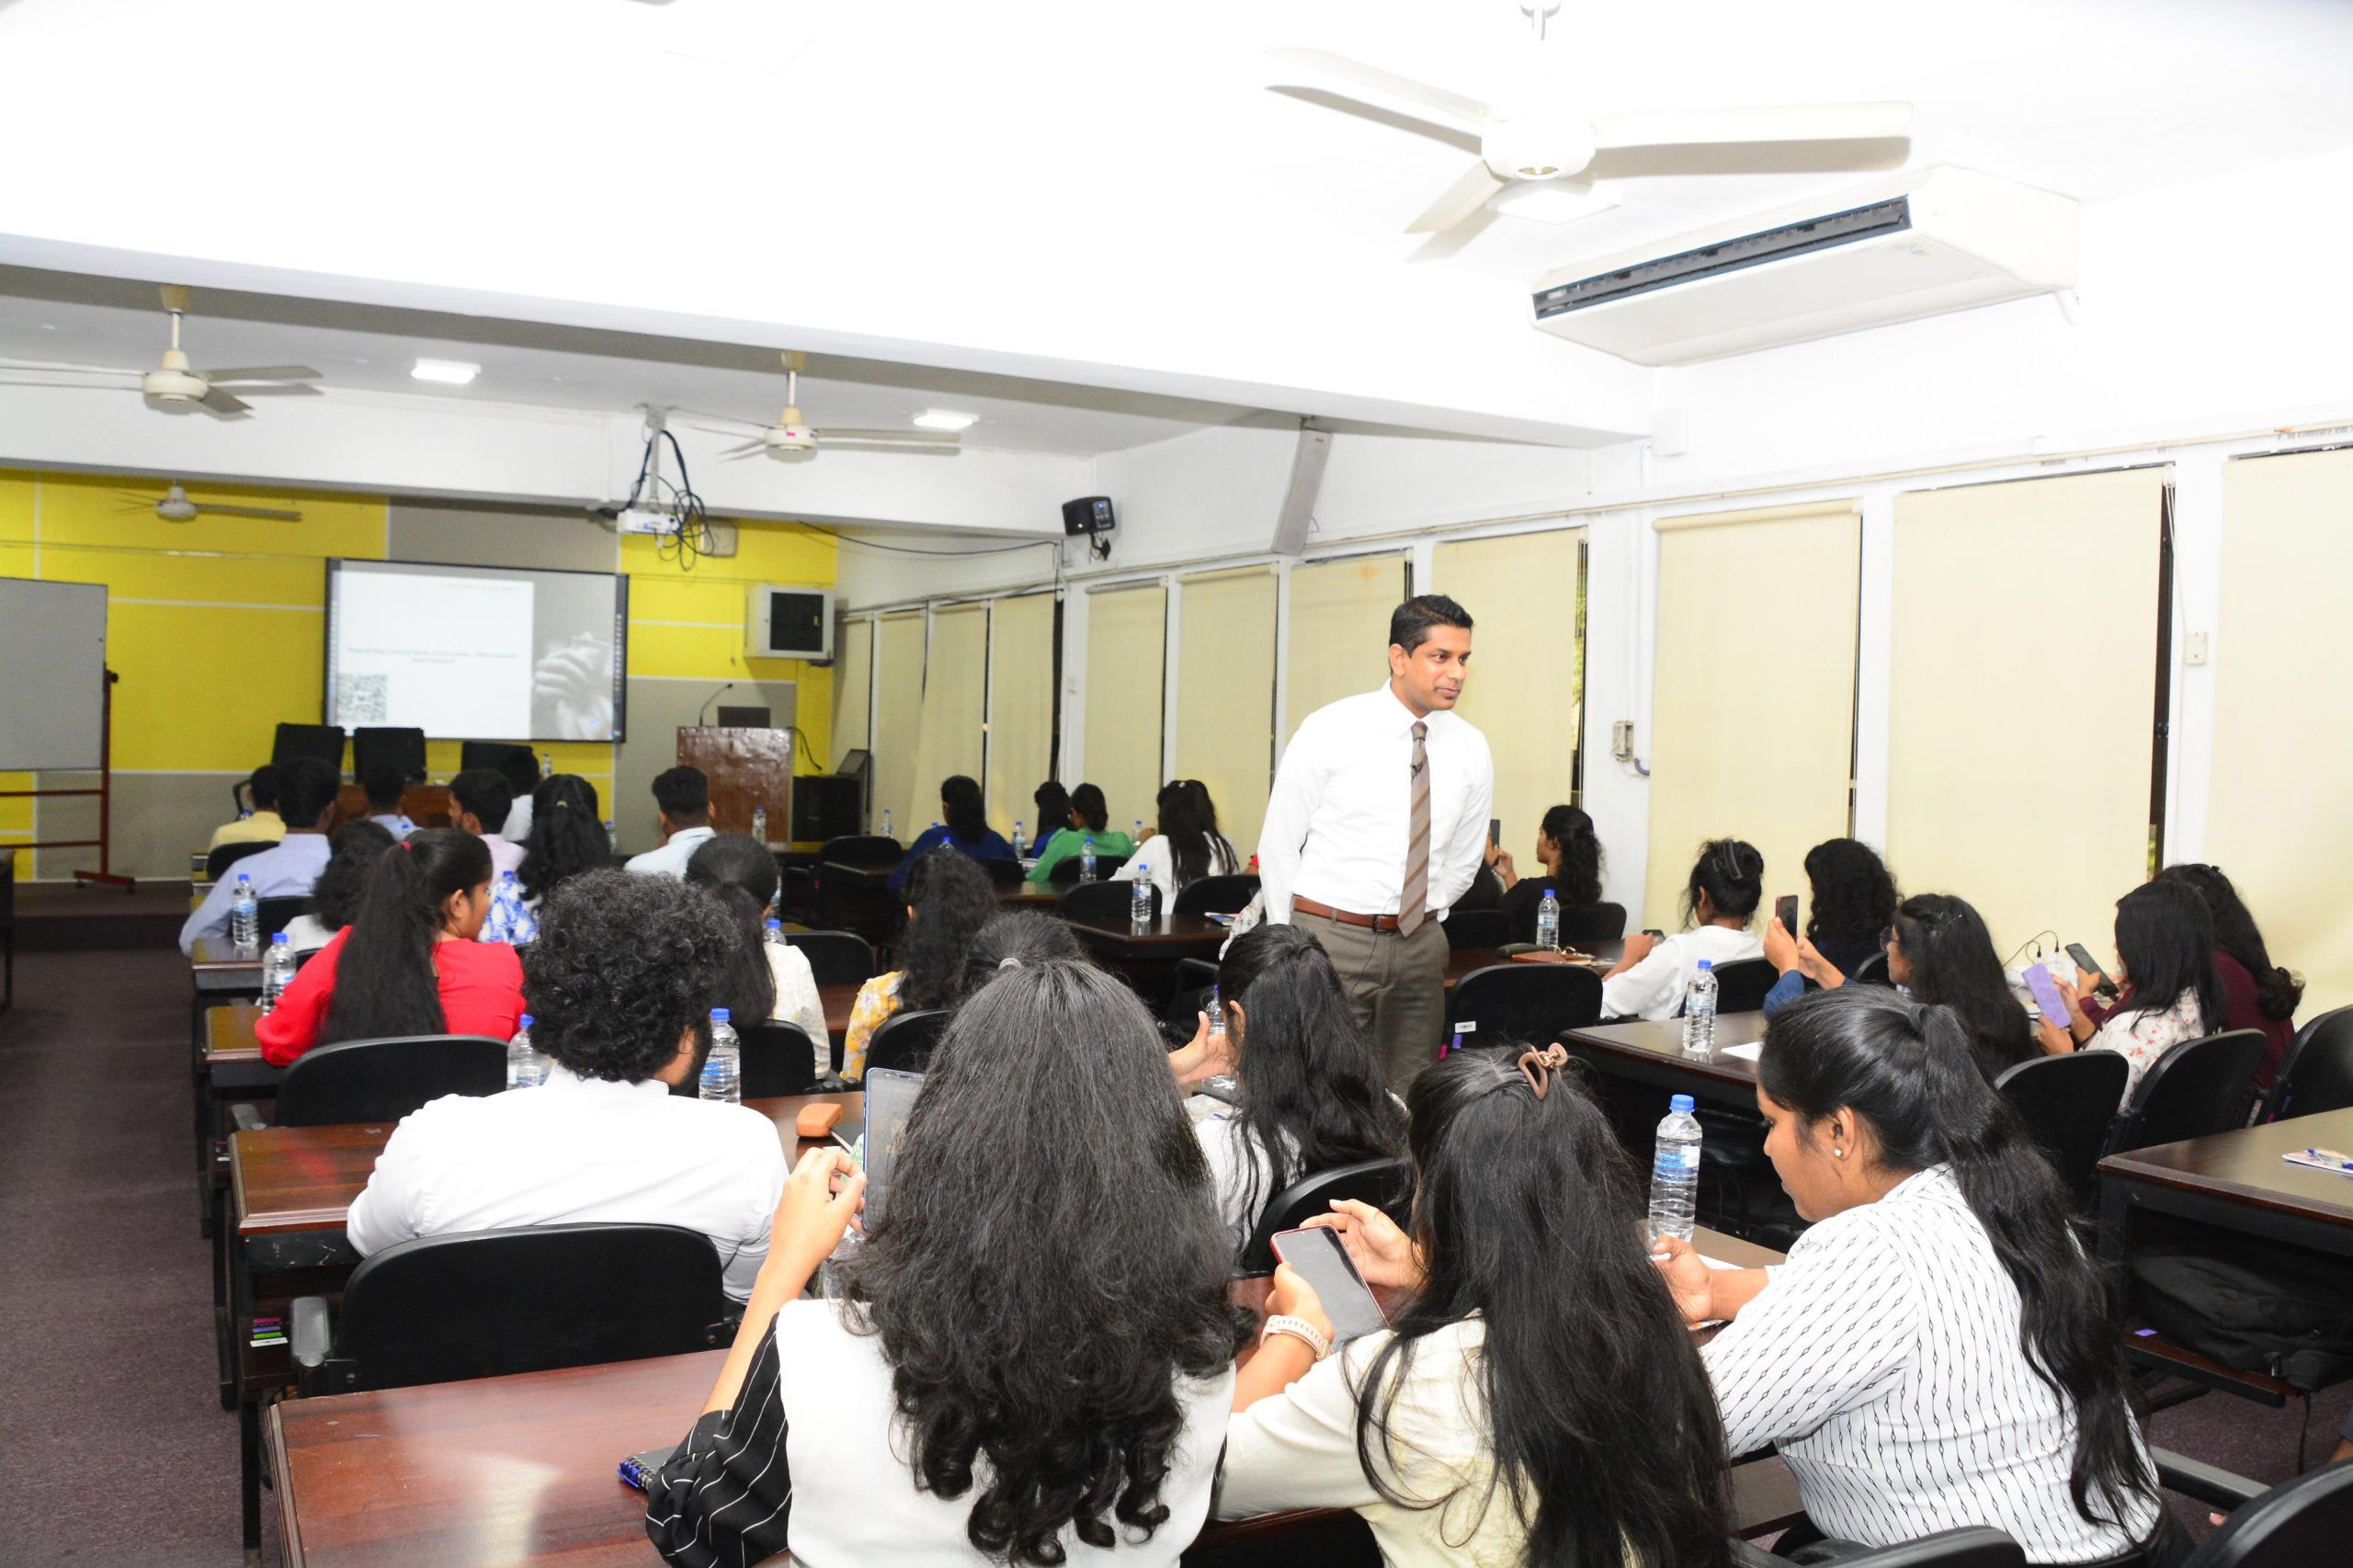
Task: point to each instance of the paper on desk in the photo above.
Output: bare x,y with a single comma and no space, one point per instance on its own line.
1747,1051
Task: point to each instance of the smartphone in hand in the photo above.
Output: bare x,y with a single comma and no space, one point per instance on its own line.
1494,832
1317,1257
2090,971
2046,994
1785,910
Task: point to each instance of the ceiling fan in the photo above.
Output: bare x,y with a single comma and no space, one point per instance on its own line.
793,441
174,506
173,386
1551,140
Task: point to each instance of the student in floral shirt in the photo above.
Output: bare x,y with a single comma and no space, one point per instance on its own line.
950,898
2165,960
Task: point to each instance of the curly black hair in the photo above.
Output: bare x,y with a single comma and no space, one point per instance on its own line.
624,965
953,899
352,852
1854,898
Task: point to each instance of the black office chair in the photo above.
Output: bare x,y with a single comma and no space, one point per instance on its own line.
400,748
2293,1524
496,755
777,1059
2198,1089
2068,1104
1065,871
862,849
383,1080
1386,1183
904,1043
1975,1546
1872,971
1476,930
836,958
228,854
1585,923
2316,1075
322,741
276,914
1524,1004
1741,986
441,1309
1217,895
1003,873
1102,902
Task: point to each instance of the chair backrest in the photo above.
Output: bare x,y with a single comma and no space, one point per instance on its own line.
402,748
2197,1088
276,914
1872,971
1217,895
777,1060
1386,1183
322,741
1102,900
2295,1525
496,755
1003,873
2068,1104
836,958
1524,1004
2317,1073
1975,1547
480,1305
383,1080
1741,985
863,849
228,854
1477,928
1065,871
904,1041
1590,923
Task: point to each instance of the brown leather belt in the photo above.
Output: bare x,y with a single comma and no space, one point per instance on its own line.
1345,916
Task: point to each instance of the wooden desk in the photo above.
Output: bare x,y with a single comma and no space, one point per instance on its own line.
1163,943
219,965
1649,1052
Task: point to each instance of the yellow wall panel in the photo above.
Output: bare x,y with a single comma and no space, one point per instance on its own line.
183,576
16,504
182,705
92,509
16,559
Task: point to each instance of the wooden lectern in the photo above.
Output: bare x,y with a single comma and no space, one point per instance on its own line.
746,768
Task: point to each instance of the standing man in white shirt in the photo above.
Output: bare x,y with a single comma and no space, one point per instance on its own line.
1376,826
683,797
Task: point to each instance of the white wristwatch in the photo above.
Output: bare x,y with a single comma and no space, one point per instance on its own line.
1299,1329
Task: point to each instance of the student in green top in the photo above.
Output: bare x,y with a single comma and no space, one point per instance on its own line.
1087,815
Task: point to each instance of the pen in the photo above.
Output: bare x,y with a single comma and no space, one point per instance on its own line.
2330,1158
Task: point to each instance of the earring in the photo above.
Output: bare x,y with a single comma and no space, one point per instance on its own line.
1837,1153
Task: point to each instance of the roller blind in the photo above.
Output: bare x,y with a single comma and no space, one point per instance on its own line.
2276,821
1022,707
1752,701
1225,697
1340,632
853,689
1526,692
1127,654
898,712
952,735
2022,696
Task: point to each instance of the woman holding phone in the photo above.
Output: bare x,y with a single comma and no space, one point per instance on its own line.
2164,953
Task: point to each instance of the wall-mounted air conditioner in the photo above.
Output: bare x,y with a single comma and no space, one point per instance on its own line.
1916,245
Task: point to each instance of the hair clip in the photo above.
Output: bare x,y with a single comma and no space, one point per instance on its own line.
1008,963
1538,1066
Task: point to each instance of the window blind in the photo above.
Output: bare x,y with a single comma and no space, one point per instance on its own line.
853,689
952,735
1753,697
1127,654
2022,699
898,712
1022,709
1339,632
1225,697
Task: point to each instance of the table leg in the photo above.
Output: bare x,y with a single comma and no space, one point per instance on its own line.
249,1472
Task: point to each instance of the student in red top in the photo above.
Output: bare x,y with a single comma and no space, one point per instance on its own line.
408,963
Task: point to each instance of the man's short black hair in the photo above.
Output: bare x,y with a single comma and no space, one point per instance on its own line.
263,786
384,783
1410,623
484,791
682,793
622,965
306,790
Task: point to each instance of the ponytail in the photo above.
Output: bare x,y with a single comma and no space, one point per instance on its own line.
385,979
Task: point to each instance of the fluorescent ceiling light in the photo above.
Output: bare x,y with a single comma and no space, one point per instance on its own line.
456,372
945,419
1546,202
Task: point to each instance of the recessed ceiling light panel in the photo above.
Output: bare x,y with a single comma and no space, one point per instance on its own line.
450,372
945,419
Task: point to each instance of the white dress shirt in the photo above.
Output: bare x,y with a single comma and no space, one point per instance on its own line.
395,823
308,933
1884,1361
518,825
1337,823
286,871
575,1151
1655,987
670,861
506,855
1156,862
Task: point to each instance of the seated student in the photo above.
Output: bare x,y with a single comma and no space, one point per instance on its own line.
567,837
1185,846
1018,936
263,824
353,850
1852,906
1311,1096
306,792
2164,962
1053,815
1939,953
408,963
2256,993
1088,816
1569,853
682,796
1719,902
383,786
949,899
621,979
481,798
1536,1399
951,1408
965,828
1938,1350
763,979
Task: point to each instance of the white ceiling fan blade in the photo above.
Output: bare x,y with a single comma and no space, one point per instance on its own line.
890,448
25,378
274,513
1463,198
891,437
745,450
46,369
224,403
1785,123
277,389
262,373
1469,110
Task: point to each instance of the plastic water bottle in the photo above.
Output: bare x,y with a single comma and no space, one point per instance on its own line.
1222,1085
612,835
723,1070
1017,838
1086,859
829,1272
775,933
1675,1171
547,764
244,915
760,822
1699,1012
1548,923
1139,903
277,969
1136,837
886,821
525,1068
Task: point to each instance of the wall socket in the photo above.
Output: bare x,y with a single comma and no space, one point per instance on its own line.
1621,740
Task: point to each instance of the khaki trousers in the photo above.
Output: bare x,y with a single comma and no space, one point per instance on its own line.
1397,986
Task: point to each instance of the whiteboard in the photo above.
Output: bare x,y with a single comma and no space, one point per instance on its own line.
53,675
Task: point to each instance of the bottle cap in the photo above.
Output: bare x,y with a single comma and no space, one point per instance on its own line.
525,1021
775,924
718,1014
277,938
1680,1104
244,877
1707,965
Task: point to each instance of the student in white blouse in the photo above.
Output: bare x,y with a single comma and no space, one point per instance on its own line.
1032,1355
1719,903
764,979
1188,846
1536,1362
1938,1350
2165,960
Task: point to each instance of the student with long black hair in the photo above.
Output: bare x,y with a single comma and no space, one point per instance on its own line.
408,963
763,979
352,852
566,838
1053,815
1942,954
1311,1095
2164,959
1537,1400
949,899
1939,1349
963,826
1719,903
2258,994
1186,847
1569,853
1848,918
